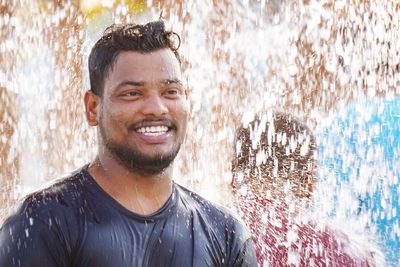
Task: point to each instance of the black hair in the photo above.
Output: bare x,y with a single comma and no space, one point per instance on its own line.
127,37
279,146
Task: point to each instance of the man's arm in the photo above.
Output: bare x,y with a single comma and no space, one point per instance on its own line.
242,249
28,241
247,255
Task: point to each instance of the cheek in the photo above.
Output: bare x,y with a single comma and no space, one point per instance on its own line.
181,111
180,114
113,119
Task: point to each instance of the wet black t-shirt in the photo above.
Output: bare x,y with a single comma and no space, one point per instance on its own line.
75,223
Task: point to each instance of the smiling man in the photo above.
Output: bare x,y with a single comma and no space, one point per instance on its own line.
124,209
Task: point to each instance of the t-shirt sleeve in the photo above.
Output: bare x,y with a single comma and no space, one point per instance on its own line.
246,256
26,241
242,251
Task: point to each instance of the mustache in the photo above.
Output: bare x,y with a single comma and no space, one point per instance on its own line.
148,123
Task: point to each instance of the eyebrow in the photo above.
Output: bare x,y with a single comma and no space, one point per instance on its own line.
139,84
169,81
133,83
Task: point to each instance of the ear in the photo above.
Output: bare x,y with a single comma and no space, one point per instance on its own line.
92,103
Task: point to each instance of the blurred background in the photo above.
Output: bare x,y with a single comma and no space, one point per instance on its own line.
310,58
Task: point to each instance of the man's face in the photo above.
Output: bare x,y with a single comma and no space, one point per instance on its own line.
144,110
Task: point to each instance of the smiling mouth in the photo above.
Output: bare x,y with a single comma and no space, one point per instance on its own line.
153,130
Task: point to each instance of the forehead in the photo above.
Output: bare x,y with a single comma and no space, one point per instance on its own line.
144,67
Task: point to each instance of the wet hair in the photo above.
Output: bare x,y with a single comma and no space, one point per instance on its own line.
275,147
127,37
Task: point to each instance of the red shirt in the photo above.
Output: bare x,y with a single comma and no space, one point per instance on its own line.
283,238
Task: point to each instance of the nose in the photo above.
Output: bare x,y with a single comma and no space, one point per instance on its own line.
155,106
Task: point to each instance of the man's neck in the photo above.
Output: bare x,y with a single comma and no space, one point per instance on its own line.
140,194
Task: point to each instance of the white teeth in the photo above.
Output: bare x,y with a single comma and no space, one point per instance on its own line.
153,130
154,134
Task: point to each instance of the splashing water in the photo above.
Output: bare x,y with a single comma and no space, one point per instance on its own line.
310,58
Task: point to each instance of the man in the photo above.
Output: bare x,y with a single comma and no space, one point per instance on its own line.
274,172
124,209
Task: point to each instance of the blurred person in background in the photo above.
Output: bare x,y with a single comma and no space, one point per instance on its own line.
274,172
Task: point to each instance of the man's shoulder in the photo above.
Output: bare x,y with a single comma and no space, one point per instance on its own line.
218,224
59,190
46,221
209,209
56,197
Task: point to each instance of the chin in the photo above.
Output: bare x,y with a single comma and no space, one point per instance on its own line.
157,151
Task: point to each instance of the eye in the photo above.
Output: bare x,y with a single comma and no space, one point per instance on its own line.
129,95
172,92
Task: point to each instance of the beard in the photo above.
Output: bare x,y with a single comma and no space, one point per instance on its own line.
136,161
